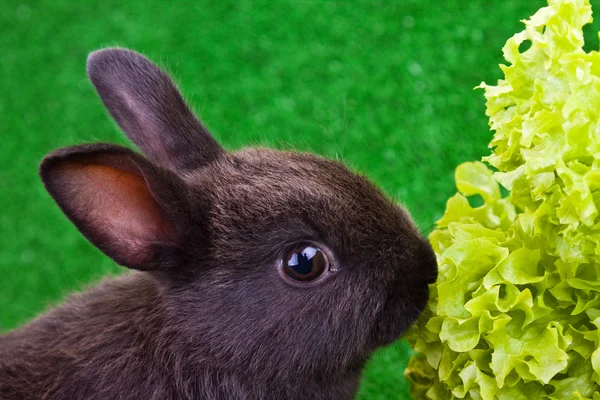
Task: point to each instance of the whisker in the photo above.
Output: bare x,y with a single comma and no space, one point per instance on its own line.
426,261
427,231
345,137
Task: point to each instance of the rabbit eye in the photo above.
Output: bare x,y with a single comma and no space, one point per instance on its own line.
305,263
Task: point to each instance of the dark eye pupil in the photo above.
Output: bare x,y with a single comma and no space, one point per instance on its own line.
305,263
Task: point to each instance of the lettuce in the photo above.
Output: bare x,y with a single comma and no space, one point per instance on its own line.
515,313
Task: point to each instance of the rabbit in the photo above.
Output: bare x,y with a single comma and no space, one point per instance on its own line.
253,274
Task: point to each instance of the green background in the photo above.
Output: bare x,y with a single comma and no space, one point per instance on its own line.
384,85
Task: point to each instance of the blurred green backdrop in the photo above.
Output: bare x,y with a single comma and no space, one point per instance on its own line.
384,85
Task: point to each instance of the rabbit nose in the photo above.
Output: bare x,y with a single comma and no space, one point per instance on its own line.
428,263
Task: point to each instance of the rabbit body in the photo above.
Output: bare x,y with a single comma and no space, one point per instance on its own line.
256,274
115,341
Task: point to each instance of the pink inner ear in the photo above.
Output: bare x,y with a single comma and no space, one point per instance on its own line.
118,209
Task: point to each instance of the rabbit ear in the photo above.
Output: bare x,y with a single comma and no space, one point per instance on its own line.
118,200
146,104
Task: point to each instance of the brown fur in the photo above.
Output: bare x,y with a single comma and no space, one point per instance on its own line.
208,316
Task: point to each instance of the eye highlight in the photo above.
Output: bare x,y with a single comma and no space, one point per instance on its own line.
305,263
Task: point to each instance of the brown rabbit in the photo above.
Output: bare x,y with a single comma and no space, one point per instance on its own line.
260,274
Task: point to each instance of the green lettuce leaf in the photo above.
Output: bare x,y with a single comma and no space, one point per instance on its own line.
515,313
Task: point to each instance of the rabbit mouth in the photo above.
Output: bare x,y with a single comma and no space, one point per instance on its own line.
399,313
407,296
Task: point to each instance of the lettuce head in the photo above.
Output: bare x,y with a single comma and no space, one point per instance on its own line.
515,313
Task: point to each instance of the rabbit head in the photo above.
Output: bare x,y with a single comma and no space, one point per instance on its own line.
268,260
